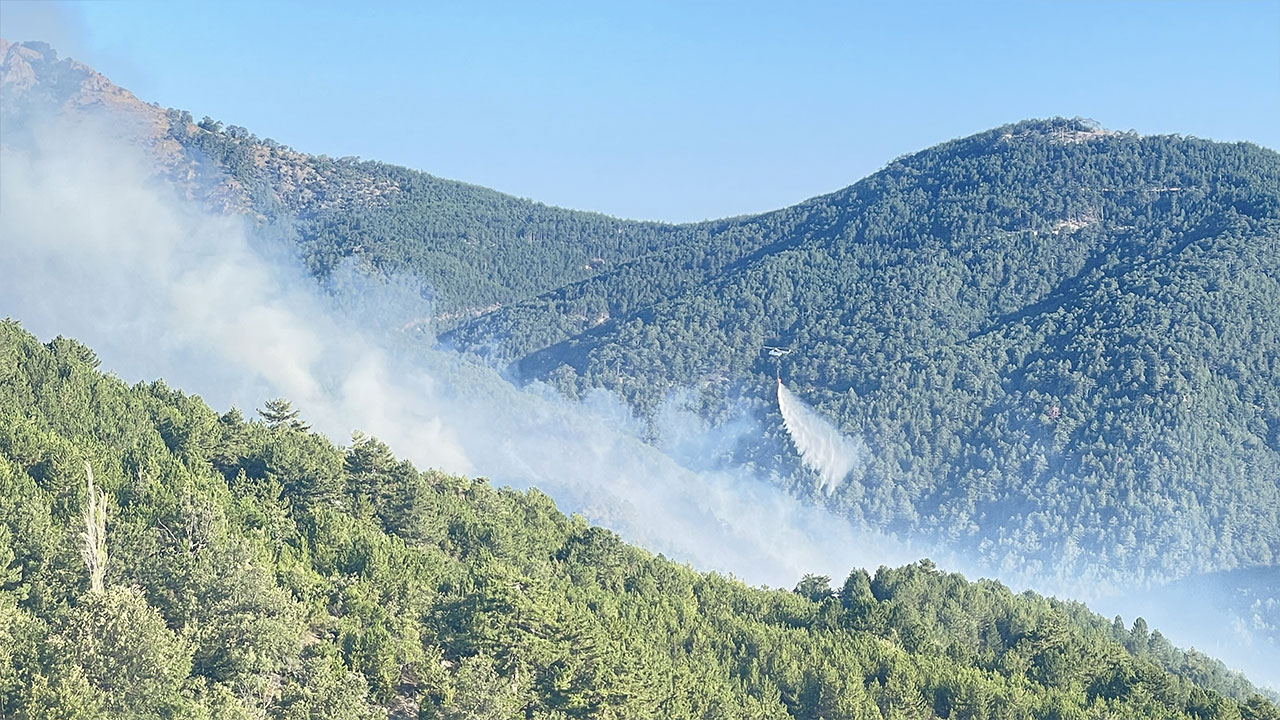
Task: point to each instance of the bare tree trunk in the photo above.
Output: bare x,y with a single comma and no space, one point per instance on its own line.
94,537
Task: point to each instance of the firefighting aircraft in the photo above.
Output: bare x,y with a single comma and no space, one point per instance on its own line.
777,353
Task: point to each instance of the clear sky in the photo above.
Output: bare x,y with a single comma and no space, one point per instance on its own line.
675,110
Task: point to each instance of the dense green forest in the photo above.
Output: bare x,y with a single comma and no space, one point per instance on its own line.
1061,345
217,566
1058,343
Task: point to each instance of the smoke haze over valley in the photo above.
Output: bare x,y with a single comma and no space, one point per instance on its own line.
618,368
183,295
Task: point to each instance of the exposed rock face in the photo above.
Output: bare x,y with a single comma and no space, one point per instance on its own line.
33,80
37,87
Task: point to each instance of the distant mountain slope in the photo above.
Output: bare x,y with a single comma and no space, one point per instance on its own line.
476,249
254,569
520,332
1061,345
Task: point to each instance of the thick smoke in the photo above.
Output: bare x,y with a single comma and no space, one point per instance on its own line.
822,448
95,248
94,251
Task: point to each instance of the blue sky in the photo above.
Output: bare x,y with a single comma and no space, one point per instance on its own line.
675,111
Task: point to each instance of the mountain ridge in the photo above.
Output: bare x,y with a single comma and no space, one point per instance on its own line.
381,215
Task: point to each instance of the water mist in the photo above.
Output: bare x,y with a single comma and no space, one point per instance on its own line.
821,446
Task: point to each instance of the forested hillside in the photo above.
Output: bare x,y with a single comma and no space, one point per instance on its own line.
476,249
222,567
1059,344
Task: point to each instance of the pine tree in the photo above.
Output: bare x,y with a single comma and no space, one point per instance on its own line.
280,413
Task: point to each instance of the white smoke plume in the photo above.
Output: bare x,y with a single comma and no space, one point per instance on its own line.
821,446
94,248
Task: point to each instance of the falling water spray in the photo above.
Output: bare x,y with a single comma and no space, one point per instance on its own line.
822,448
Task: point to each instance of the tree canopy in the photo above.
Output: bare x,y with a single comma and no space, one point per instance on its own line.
258,570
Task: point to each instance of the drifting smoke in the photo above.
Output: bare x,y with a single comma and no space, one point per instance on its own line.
94,248
822,448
